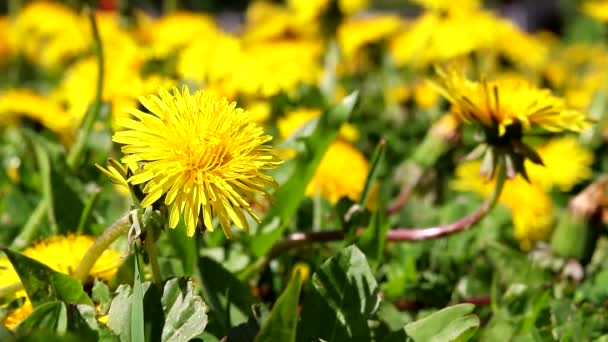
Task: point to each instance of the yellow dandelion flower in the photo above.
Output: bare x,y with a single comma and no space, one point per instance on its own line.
531,207
437,37
308,10
297,118
267,21
499,104
19,314
176,31
62,254
259,110
448,5
221,51
597,9
204,155
49,34
341,173
268,68
350,7
16,104
566,163
521,47
357,32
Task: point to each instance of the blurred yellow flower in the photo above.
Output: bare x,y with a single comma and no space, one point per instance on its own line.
437,37
265,69
265,21
259,111
567,163
341,173
500,104
597,9
531,208
177,30
16,104
204,155
425,95
357,32
350,7
210,60
297,118
521,47
49,34
62,254
448,5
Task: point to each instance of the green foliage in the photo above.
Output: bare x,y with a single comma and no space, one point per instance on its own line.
455,323
44,285
290,194
281,325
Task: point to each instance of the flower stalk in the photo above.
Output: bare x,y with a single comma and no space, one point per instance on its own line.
117,229
299,239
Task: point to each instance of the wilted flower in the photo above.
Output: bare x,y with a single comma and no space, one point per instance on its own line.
204,155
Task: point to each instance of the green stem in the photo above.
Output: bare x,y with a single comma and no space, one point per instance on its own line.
117,229
150,246
299,239
84,132
31,226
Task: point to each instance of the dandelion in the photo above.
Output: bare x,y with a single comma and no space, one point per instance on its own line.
597,9
204,155
18,104
506,109
62,254
341,173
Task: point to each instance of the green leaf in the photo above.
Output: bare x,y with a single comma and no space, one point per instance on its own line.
61,188
185,312
43,284
137,306
454,323
372,241
229,299
283,320
376,162
50,316
86,217
343,298
44,166
290,194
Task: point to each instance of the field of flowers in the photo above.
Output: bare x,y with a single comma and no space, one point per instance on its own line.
303,170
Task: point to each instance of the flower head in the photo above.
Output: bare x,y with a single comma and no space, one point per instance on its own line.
62,254
341,173
505,103
507,109
204,155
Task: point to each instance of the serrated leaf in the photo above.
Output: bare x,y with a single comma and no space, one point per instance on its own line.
343,298
290,194
454,323
185,312
283,320
42,284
